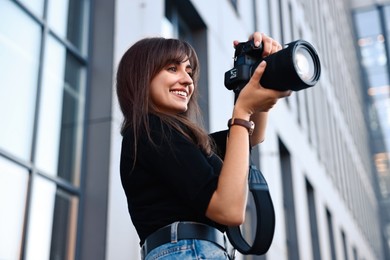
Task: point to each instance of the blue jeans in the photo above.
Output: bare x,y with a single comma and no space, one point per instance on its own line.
190,249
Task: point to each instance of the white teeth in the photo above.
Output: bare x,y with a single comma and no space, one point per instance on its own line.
180,93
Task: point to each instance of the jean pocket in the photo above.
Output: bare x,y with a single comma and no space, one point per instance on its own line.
183,249
210,251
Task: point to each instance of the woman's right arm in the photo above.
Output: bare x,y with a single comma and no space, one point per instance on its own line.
228,202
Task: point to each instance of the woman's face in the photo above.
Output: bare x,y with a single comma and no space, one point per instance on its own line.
172,88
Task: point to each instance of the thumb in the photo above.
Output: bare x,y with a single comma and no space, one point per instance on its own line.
258,72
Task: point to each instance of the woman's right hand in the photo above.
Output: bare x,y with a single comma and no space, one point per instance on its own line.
255,98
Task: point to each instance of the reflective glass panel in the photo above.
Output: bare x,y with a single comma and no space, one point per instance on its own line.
73,105
61,113
13,193
53,222
386,15
69,19
36,6
19,56
49,122
378,80
367,23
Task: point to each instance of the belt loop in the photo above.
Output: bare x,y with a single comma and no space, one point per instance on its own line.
174,232
225,241
230,250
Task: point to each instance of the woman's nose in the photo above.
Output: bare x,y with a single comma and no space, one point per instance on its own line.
186,78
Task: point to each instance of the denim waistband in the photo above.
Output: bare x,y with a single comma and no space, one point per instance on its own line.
186,230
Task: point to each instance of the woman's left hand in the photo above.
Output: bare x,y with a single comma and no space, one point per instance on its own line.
269,44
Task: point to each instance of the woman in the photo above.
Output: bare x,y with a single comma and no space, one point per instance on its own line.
180,193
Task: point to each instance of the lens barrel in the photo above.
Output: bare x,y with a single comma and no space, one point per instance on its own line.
295,67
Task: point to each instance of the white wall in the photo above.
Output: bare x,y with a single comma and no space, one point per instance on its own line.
135,19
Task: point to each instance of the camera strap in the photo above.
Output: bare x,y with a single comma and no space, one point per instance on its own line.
265,216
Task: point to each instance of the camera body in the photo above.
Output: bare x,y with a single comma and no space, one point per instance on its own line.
295,67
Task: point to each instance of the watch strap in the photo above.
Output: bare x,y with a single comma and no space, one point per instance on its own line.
250,125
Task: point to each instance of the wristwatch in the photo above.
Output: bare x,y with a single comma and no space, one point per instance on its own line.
250,125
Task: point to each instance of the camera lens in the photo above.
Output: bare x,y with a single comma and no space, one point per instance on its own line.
304,64
295,67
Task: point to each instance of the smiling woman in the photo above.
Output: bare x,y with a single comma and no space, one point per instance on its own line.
172,88
180,194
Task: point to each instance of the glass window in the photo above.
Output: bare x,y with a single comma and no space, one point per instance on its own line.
58,16
367,23
13,193
234,4
386,16
68,18
184,22
35,6
288,202
373,52
72,120
60,113
313,222
378,80
52,223
177,24
331,238
355,253
345,246
50,107
19,52
167,29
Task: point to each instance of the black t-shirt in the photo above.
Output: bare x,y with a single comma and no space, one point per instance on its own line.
172,181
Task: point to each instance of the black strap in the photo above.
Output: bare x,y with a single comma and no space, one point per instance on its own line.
265,217
264,211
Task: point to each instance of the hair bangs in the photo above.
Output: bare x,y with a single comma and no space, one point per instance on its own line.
173,51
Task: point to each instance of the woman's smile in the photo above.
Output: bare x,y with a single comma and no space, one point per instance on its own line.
180,93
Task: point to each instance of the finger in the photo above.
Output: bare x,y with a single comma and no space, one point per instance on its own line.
258,72
284,93
257,38
288,93
279,47
275,46
235,43
267,46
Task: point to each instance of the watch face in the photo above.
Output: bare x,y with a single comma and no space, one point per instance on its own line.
252,128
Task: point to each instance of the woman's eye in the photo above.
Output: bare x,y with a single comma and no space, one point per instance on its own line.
172,69
190,73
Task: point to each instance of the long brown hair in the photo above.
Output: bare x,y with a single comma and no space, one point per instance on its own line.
138,66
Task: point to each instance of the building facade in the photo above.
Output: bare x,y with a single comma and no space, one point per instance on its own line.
60,191
372,25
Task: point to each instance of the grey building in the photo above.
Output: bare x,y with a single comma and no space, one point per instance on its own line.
372,20
60,192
